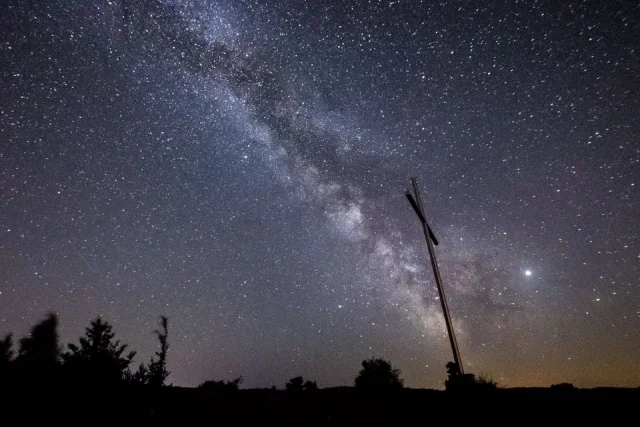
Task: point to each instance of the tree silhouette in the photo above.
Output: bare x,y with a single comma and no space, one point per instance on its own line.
453,369
6,351
155,373
378,374
157,369
39,352
295,384
310,386
298,384
98,358
6,357
140,376
41,346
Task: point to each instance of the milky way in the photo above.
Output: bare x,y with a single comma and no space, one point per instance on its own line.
240,167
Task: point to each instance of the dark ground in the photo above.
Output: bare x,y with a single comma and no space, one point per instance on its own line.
601,406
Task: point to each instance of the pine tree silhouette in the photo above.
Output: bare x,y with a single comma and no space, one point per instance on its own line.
157,369
98,358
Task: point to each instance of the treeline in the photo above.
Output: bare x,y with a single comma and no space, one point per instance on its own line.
97,359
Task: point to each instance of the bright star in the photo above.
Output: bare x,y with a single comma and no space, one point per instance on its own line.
528,273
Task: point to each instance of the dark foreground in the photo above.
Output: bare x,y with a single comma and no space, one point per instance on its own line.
602,406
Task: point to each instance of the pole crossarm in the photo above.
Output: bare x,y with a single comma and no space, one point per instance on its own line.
423,220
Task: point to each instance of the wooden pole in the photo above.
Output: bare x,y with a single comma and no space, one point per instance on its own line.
431,239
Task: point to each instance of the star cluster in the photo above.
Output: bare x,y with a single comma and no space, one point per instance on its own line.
240,167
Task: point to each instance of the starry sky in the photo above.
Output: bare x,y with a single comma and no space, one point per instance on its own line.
240,167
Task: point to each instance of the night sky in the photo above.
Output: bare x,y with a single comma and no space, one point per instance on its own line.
240,167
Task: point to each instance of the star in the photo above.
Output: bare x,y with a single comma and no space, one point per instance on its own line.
242,171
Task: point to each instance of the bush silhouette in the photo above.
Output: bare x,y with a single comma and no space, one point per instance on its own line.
221,386
563,387
378,374
458,381
98,358
310,386
484,382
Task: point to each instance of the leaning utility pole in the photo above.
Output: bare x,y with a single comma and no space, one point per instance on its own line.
416,203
